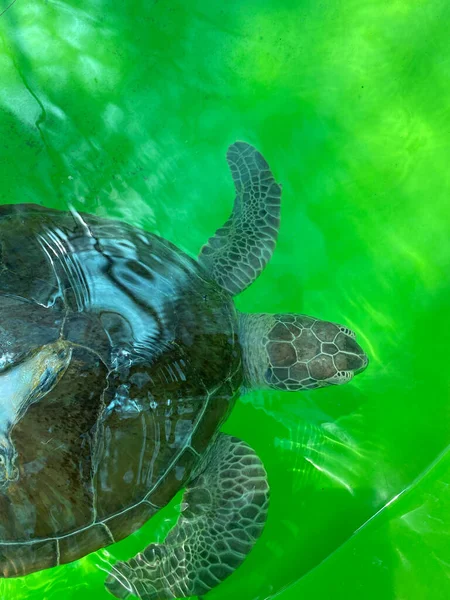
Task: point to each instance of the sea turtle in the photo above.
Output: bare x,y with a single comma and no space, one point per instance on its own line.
120,358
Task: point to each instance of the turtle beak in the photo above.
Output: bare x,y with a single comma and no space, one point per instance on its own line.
352,356
365,360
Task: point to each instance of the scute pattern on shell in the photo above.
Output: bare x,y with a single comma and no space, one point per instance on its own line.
154,372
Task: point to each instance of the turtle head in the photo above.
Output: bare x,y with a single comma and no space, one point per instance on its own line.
296,352
339,357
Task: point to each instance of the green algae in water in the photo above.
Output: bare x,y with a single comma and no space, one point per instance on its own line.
126,110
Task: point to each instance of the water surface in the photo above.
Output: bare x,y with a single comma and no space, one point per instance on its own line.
126,109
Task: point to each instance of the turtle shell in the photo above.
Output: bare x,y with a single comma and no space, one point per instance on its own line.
154,371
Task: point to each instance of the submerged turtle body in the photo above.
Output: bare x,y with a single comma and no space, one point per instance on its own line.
153,373
120,358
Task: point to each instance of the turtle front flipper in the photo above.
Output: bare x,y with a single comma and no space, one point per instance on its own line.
239,251
225,512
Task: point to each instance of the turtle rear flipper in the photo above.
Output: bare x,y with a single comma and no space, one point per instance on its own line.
226,509
239,251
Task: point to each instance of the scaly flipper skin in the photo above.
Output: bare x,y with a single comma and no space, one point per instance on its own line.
239,251
225,512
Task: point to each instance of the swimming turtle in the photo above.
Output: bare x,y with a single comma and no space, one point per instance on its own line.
120,358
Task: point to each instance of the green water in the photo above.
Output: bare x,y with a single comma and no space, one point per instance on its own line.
126,109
